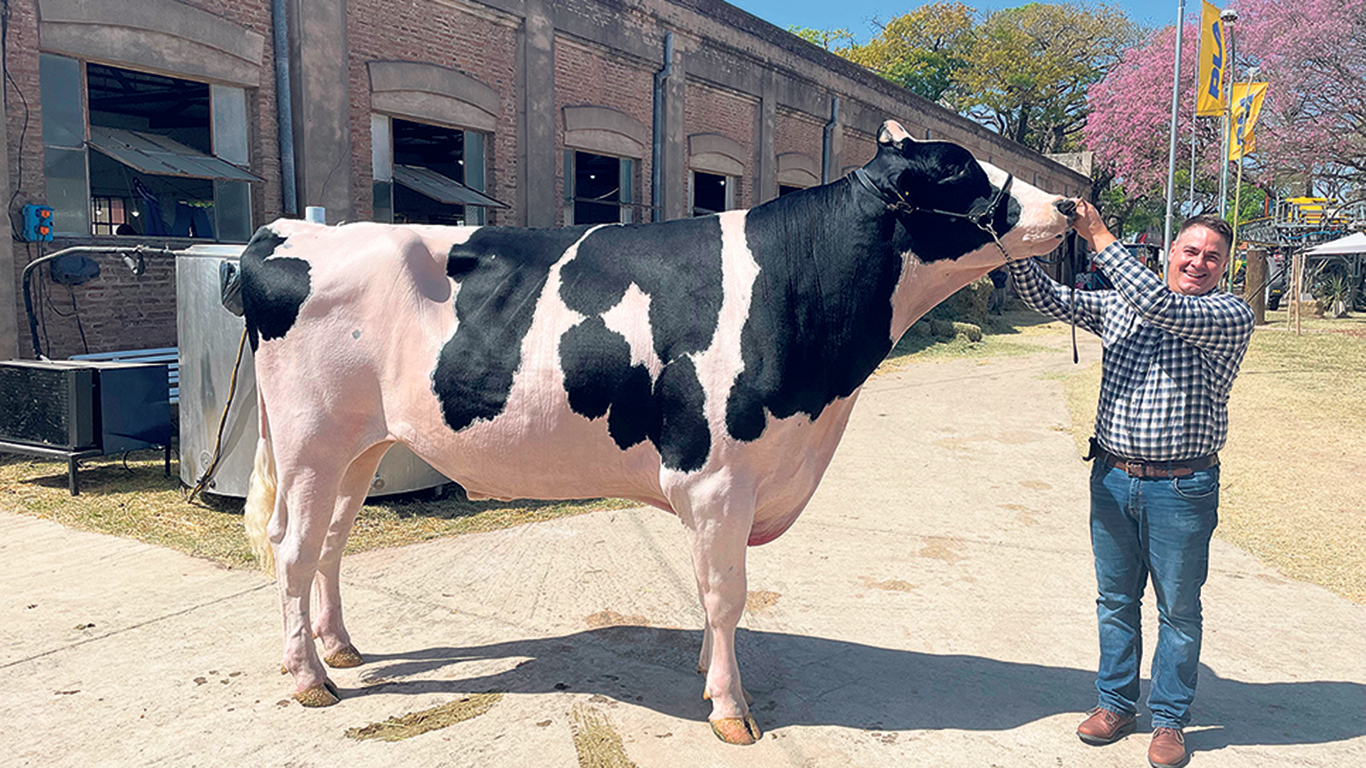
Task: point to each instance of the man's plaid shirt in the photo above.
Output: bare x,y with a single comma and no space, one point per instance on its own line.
1169,359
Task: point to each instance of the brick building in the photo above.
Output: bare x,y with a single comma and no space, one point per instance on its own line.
159,122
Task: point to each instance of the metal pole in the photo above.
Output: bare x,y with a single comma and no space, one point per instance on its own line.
284,109
1233,246
1230,65
1171,151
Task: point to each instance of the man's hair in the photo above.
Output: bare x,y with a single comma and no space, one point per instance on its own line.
1213,223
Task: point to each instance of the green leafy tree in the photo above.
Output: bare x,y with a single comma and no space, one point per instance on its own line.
1030,68
921,50
835,40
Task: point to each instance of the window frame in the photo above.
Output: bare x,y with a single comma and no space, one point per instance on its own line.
731,183
74,215
382,165
625,203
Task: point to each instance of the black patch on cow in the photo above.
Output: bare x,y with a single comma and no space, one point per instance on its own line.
829,261
504,271
599,377
459,266
940,176
684,438
821,313
272,289
678,266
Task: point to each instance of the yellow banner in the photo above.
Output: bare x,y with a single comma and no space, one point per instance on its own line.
1247,105
1209,84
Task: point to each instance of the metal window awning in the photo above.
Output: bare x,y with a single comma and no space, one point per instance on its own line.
442,189
161,156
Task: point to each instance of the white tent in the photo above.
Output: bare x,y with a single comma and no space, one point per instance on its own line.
1350,244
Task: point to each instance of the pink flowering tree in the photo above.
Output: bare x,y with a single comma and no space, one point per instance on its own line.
1313,54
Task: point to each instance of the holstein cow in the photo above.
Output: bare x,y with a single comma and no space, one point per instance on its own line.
705,366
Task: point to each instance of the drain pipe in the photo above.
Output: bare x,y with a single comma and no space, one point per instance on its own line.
657,148
828,142
284,106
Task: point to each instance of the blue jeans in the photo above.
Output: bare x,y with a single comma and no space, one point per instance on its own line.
1158,527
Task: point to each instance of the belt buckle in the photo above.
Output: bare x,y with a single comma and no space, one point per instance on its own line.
1136,469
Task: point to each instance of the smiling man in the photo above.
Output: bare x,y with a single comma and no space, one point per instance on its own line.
1171,352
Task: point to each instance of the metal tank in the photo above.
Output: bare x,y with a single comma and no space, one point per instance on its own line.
208,336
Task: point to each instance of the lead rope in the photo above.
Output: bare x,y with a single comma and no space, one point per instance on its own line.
1072,295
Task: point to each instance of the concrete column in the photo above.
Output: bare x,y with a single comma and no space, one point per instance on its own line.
1254,279
538,154
9,275
675,173
322,106
766,124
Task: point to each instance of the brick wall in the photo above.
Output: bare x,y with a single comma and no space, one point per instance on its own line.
118,310
859,148
588,75
709,109
798,132
432,33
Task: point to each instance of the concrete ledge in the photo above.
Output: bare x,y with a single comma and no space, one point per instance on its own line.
602,129
157,35
714,153
798,169
431,93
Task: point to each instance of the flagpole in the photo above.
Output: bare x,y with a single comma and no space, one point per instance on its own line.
1228,17
1238,190
1171,151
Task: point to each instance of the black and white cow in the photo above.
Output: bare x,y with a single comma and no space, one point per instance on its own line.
705,366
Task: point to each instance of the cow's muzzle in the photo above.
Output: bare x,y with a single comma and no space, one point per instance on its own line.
1066,206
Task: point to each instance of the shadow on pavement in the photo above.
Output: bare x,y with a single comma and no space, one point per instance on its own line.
803,680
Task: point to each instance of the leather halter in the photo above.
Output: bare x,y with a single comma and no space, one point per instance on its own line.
980,215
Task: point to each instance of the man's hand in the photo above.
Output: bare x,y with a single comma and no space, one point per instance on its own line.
1088,223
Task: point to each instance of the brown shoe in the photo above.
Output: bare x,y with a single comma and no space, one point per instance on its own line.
1168,749
1105,727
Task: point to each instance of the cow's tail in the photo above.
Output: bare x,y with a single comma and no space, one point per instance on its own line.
261,492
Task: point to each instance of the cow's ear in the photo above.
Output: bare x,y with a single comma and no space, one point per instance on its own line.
891,134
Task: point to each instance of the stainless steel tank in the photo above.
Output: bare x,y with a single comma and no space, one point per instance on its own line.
208,336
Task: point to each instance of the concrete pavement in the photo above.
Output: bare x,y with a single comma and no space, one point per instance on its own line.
933,606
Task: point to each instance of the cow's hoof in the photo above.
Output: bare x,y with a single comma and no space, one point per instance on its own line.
324,695
748,699
343,658
735,730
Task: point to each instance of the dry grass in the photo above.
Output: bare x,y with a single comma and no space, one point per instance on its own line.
141,503
1294,468
1015,334
427,720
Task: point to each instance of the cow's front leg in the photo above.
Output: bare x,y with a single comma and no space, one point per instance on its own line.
720,516
326,607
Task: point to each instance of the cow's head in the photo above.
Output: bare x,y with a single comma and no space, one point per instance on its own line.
947,200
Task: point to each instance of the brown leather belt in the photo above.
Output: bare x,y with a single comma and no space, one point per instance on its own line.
1159,469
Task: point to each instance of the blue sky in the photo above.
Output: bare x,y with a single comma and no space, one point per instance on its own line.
855,15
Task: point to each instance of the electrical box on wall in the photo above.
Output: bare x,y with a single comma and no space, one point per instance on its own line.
37,223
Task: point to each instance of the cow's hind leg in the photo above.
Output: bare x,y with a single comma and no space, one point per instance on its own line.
328,627
720,515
